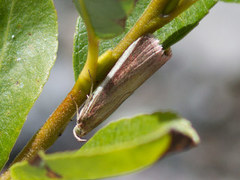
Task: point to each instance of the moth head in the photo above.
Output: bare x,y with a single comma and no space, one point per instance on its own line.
78,133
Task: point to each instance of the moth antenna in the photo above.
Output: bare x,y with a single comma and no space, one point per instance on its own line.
76,106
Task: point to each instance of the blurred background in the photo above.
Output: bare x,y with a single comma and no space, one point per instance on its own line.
201,83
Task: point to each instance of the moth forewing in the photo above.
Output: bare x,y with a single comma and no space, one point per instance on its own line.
144,57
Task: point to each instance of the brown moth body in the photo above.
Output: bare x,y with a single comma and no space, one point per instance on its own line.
144,57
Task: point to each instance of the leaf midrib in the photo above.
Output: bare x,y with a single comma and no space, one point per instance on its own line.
6,34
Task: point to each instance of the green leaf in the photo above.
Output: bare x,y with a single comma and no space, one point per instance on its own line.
168,35
28,45
182,25
121,147
80,48
107,17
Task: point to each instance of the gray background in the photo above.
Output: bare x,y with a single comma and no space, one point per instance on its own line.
201,82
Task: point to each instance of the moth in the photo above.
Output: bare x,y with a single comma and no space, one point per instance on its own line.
142,58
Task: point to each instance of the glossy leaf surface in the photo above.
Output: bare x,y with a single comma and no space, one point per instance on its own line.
28,45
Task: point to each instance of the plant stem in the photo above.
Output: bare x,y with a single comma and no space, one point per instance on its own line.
54,126
88,74
152,19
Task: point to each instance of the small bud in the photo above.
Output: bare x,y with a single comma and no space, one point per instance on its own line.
171,5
